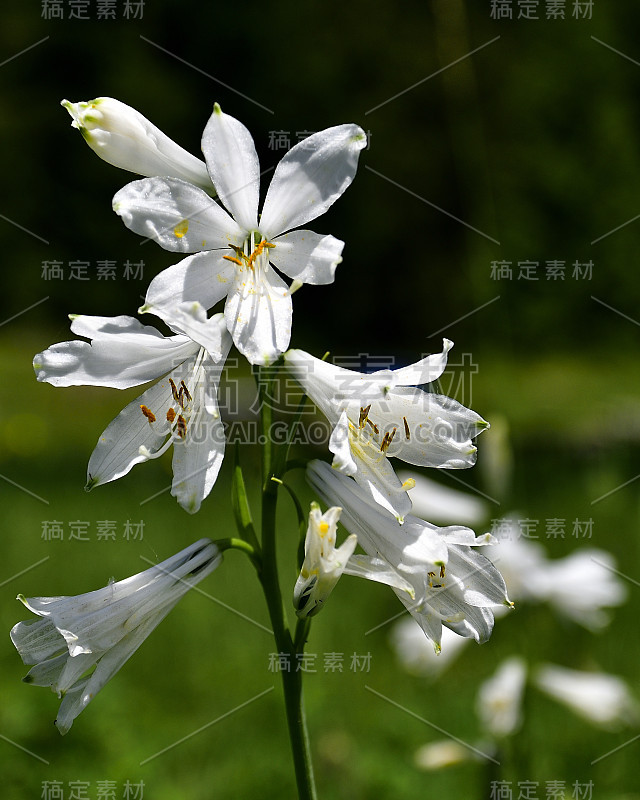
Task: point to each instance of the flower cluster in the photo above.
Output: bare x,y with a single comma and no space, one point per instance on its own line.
252,262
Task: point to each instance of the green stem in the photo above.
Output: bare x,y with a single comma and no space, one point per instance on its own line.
268,573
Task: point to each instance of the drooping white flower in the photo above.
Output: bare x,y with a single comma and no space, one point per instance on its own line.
499,700
181,409
97,632
324,564
601,698
442,504
453,585
234,250
121,136
384,414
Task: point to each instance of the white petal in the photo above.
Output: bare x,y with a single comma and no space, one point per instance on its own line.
311,177
425,371
178,216
121,355
204,278
233,165
340,447
118,448
121,136
258,313
440,429
197,459
307,256
377,569
212,333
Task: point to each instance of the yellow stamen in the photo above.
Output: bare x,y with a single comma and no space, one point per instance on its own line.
181,428
171,415
183,386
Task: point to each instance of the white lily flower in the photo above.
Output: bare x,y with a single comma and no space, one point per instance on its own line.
384,414
602,699
324,563
499,700
97,632
452,584
181,409
121,136
233,250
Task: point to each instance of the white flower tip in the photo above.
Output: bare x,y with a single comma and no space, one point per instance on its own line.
447,344
92,480
216,108
410,483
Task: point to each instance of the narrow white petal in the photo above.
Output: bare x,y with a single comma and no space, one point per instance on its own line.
311,177
307,256
197,459
233,165
425,371
178,216
120,356
377,569
258,312
118,448
340,447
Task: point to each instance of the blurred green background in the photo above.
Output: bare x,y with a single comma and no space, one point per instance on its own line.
524,153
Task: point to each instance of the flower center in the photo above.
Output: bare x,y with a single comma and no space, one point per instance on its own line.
250,254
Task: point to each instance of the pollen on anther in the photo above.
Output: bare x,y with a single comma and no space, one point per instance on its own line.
388,438
407,433
183,387
364,413
148,413
174,391
181,427
171,415
373,425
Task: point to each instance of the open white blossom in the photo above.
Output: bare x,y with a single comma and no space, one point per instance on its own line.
452,584
121,136
181,409
383,414
499,700
602,699
233,250
324,564
81,642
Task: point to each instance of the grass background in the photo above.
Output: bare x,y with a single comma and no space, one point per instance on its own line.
533,142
